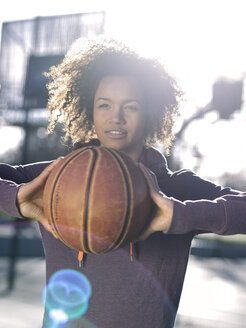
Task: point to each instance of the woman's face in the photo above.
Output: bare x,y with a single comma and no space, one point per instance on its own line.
119,115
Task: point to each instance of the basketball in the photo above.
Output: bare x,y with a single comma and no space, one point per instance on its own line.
96,200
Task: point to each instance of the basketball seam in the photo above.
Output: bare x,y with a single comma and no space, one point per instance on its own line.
88,189
128,196
53,193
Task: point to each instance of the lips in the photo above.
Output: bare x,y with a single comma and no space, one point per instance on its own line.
116,133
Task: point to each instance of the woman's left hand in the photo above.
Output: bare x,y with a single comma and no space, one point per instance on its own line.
162,218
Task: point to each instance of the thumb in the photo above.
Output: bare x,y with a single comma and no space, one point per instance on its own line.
42,219
45,173
146,233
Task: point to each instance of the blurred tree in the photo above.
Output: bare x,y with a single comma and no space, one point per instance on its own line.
226,100
227,97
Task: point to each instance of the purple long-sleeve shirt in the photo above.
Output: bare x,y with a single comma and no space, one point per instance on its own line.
146,292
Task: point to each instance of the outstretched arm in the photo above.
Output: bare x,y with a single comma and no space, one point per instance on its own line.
21,190
225,215
30,197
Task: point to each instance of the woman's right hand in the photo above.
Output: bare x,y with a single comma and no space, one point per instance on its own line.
30,197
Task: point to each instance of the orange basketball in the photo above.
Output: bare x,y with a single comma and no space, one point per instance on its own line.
96,199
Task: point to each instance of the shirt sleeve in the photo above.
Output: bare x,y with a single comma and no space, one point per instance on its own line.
11,178
225,215
186,185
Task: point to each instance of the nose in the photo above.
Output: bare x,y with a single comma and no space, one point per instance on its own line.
117,116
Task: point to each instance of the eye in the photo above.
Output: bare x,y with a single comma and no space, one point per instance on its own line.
133,108
104,106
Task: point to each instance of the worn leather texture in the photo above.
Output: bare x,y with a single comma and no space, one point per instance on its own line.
96,199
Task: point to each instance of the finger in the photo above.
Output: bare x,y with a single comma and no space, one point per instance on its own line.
49,168
47,226
40,180
144,235
41,218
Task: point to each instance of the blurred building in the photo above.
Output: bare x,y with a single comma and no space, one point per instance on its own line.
29,48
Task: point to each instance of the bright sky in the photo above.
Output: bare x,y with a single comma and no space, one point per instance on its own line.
198,40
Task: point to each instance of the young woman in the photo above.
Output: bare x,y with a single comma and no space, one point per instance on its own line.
105,94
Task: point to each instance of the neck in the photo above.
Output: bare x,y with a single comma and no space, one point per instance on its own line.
135,155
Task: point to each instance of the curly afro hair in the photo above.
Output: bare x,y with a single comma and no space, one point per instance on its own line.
73,83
